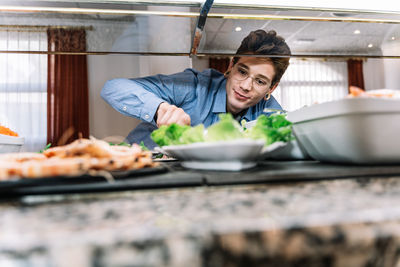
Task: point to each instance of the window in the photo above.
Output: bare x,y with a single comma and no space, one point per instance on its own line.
311,81
23,86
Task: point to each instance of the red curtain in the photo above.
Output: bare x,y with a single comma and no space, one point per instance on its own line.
355,73
219,64
67,87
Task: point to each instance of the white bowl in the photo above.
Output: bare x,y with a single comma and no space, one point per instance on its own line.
9,144
235,150
231,155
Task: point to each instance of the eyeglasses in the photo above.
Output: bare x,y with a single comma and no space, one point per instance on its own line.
240,73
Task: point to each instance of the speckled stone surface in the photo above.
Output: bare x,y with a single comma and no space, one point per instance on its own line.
348,222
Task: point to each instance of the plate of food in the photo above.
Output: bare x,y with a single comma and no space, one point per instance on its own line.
225,145
83,157
10,141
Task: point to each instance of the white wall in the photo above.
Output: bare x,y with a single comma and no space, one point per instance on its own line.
383,73
392,73
374,75
200,63
104,121
392,66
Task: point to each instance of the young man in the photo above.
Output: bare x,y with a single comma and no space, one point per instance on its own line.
192,97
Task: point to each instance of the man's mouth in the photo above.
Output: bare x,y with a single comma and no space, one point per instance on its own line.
240,96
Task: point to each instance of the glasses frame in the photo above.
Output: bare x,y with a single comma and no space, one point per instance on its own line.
241,77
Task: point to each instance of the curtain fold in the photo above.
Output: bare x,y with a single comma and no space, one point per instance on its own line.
67,87
355,72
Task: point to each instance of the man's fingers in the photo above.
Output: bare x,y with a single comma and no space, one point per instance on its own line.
168,114
184,119
165,116
179,116
174,117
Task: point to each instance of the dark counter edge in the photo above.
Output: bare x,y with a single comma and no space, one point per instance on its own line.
176,176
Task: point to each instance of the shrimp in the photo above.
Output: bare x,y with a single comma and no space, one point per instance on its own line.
8,169
125,151
124,158
144,160
10,163
21,157
55,167
93,147
132,157
76,148
121,158
111,164
45,168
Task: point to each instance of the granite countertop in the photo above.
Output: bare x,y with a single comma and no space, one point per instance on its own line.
346,222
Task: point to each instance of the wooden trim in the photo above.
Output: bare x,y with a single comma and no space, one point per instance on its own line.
355,73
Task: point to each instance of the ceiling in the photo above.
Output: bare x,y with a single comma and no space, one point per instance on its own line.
309,37
304,37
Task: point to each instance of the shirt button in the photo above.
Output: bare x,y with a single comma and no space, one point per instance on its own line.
146,116
124,108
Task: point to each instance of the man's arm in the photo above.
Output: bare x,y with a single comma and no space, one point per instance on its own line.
155,99
131,99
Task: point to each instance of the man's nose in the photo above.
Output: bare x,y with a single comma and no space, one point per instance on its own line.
247,83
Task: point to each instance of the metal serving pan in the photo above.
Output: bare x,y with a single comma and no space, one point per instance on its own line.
350,130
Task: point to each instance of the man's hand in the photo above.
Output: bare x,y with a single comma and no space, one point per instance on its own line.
167,114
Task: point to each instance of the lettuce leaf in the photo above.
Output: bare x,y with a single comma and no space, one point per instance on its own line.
193,135
169,134
226,129
271,129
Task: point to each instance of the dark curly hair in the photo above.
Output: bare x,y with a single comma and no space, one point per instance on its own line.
260,42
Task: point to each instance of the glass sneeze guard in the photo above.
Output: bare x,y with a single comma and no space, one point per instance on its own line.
167,27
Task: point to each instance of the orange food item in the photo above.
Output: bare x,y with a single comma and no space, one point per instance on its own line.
7,131
355,91
383,93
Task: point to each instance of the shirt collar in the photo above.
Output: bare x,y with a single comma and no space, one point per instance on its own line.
220,103
248,116
220,99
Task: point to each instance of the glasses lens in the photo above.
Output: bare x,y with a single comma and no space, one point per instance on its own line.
241,74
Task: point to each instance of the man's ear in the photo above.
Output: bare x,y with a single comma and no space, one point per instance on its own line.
273,88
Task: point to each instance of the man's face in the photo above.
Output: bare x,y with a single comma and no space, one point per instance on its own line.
248,82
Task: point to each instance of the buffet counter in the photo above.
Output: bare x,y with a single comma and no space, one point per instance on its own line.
273,215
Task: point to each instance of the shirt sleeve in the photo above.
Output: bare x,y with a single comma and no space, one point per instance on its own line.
140,98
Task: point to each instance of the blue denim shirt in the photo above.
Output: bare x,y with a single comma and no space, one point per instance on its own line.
202,95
